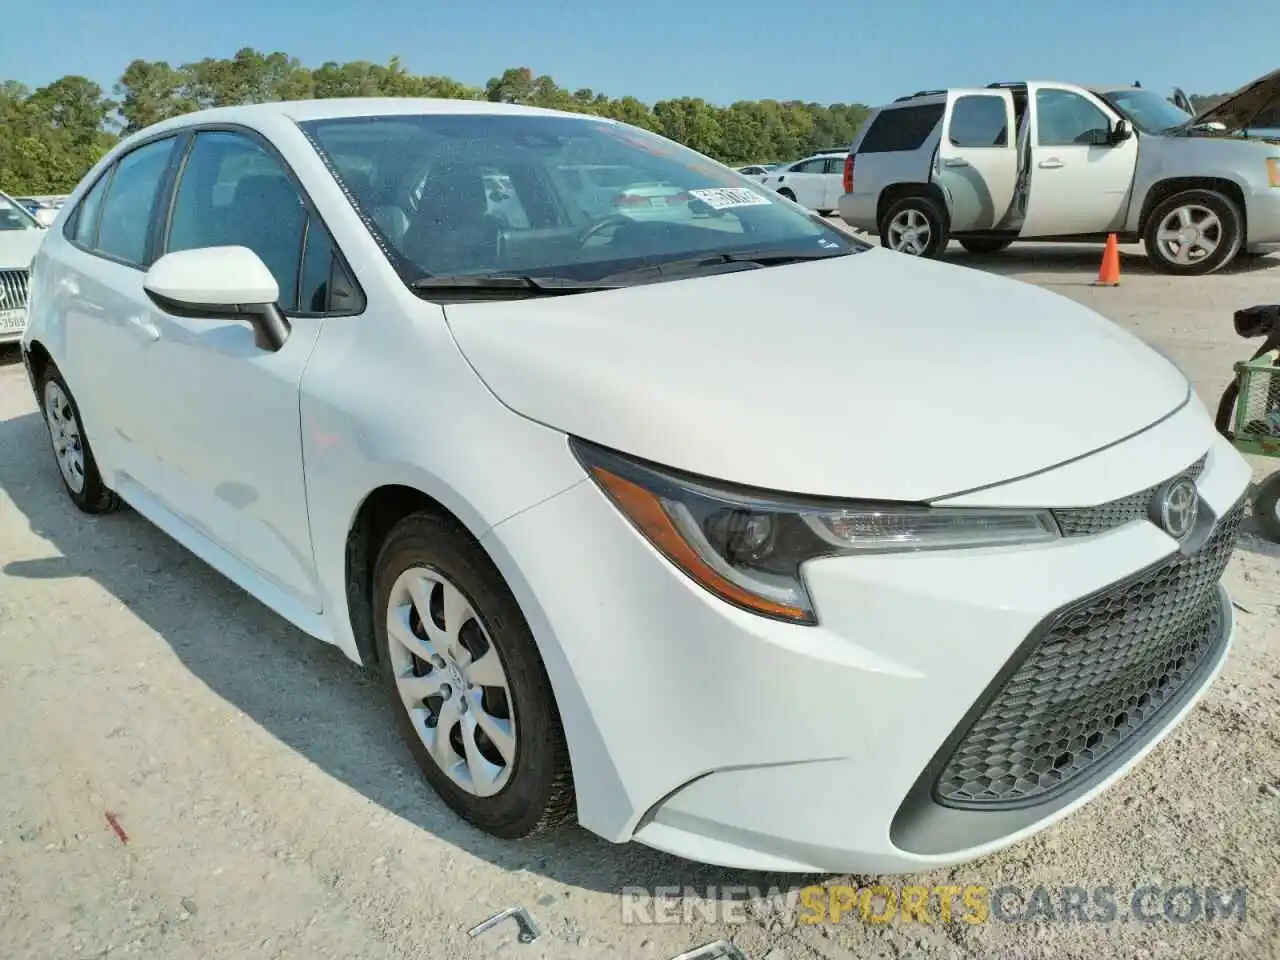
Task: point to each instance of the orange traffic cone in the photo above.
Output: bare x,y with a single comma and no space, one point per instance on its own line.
1109,272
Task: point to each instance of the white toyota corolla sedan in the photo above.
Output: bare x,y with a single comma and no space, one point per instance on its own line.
722,532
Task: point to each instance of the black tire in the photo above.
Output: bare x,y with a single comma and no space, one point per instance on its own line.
982,247
1230,236
94,496
784,192
539,795
825,213
1265,505
939,227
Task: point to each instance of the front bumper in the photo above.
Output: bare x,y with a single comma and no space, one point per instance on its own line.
1262,215
723,737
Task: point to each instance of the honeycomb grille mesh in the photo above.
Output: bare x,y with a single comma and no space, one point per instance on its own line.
1087,521
1103,670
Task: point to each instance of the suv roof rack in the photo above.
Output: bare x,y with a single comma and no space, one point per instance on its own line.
1008,85
920,93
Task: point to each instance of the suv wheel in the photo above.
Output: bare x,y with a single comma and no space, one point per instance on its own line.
1193,233
915,226
469,689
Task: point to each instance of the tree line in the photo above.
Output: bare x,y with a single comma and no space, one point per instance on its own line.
50,136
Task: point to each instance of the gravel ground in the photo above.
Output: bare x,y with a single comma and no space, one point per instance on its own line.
270,810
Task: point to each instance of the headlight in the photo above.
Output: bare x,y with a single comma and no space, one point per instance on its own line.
748,546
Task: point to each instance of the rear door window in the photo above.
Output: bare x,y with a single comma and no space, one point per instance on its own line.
130,203
902,128
979,120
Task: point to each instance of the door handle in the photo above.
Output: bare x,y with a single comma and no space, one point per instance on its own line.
955,162
1053,163
148,330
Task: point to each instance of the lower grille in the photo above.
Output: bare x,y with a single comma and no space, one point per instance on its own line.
1103,671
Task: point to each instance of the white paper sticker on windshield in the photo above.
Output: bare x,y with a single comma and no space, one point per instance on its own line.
722,198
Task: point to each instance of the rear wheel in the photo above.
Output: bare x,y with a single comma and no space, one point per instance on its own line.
76,466
983,246
916,226
1193,233
470,692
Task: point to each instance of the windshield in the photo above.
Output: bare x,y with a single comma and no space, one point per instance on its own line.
1147,111
569,197
14,217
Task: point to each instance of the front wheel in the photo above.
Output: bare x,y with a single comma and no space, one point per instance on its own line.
469,688
916,226
1193,233
1266,508
784,192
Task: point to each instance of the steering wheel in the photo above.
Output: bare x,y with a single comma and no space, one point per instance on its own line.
612,220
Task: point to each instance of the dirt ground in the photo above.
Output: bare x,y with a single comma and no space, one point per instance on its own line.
271,811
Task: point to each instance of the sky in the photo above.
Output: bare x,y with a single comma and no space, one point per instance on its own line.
721,50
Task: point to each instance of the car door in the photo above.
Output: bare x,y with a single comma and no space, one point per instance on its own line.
1080,180
229,442
804,180
977,165
107,316
833,183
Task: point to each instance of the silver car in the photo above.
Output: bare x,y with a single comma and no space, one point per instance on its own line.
1053,161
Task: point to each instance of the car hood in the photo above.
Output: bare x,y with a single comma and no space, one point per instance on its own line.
874,376
1256,105
18,248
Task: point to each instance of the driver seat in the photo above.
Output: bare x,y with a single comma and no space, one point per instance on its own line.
453,231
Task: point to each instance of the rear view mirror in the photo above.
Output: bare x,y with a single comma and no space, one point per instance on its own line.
220,282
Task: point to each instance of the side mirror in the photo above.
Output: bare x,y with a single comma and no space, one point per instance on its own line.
230,283
1121,132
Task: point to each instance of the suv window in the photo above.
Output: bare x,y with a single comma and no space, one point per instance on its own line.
125,217
979,120
901,128
1065,119
835,165
234,193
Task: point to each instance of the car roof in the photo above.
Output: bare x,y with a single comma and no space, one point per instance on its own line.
337,108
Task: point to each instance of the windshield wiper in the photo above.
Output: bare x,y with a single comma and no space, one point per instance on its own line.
748,258
509,283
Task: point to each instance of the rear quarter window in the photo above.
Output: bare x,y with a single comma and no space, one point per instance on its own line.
899,129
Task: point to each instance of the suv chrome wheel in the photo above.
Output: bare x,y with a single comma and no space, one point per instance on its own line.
909,232
1189,234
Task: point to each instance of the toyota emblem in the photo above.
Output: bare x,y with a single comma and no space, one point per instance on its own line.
1177,508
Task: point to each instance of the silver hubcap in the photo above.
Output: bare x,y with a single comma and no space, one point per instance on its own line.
1189,235
65,435
909,233
451,681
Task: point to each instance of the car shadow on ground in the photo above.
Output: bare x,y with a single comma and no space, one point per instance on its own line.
305,693
1082,263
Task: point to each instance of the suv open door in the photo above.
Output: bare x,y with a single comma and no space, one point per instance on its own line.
977,163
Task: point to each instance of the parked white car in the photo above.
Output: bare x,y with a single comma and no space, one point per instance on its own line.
756,171
584,492
1054,161
20,237
815,182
